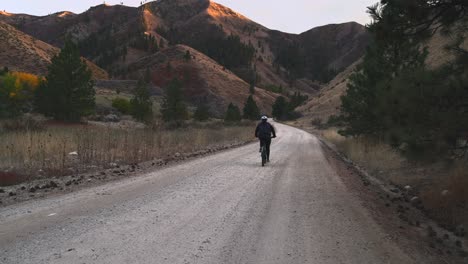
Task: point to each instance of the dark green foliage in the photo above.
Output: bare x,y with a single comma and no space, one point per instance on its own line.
394,97
281,109
297,99
202,113
162,44
284,110
233,114
173,106
187,56
334,120
252,88
228,51
9,107
67,93
4,71
317,122
145,42
141,105
251,111
274,88
102,48
122,105
305,62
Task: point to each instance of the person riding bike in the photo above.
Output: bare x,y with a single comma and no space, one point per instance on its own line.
264,132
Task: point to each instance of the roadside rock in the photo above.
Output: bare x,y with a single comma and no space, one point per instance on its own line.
53,184
415,201
111,118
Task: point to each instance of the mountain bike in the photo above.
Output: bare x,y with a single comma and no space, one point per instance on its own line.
264,154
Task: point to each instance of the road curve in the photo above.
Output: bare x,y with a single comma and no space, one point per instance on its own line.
223,208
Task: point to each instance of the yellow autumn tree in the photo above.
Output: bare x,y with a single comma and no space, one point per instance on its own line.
16,93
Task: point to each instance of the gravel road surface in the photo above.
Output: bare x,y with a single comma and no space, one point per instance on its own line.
223,208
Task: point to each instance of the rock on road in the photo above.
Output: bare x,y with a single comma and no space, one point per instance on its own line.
223,208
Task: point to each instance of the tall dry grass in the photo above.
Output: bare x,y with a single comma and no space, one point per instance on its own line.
373,155
443,187
50,151
447,198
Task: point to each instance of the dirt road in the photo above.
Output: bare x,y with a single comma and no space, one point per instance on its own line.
223,208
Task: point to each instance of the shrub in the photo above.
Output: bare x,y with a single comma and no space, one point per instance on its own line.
233,114
141,105
317,122
122,105
16,93
27,122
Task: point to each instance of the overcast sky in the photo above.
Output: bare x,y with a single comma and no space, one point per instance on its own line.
293,16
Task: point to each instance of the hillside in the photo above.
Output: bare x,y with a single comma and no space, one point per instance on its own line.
328,101
204,79
116,36
21,52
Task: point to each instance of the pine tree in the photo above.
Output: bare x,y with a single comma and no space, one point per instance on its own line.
67,93
173,106
252,88
281,108
251,110
202,113
233,114
393,96
141,105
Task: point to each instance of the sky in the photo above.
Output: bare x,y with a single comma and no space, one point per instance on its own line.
293,16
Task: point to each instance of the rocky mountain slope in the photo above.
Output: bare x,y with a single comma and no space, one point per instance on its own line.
116,36
21,52
204,80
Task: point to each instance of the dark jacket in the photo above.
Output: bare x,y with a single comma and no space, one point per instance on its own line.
265,130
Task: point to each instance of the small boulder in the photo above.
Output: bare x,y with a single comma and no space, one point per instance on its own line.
53,184
73,154
445,193
415,200
111,118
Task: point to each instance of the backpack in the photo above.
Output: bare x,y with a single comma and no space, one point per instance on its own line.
264,130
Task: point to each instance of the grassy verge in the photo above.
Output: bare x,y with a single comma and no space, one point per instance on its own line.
442,186
63,150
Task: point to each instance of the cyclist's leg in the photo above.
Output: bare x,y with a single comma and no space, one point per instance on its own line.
267,145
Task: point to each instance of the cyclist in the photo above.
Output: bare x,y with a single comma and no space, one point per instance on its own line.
264,132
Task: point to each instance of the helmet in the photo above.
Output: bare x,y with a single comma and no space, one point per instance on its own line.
264,118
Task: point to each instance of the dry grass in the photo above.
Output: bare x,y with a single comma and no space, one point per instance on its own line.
47,152
442,186
372,155
447,199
